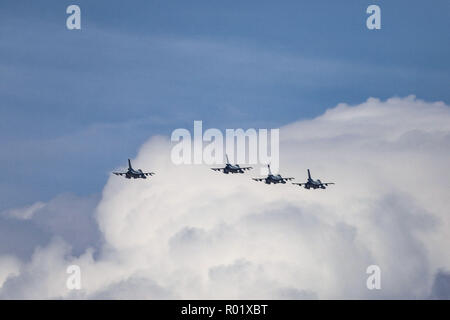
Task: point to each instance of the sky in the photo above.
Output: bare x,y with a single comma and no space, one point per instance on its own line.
192,233
75,104
148,68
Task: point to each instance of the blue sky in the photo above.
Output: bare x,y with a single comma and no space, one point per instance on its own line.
75,104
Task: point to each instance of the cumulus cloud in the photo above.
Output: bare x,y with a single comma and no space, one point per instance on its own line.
26,212
67,216
189,232
441,286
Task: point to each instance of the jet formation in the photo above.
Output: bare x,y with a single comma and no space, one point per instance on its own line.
230,168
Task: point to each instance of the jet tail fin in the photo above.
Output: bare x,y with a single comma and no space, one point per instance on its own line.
228,161
129,163
309,174
268,166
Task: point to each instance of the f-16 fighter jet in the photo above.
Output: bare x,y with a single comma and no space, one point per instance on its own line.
273,178
230,168
134,173
314,184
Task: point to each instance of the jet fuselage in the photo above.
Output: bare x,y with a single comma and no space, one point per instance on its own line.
229,168
135,174
314,184
274,179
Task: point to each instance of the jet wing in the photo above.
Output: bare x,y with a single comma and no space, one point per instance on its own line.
246,168
148,173
217,169
288,179
119,173
299,184
259,179
327,183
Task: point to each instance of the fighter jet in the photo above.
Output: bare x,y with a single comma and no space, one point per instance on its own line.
315,184
132,173
229,168
273,179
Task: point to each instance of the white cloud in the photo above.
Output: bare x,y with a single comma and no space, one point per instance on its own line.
189,232
26,212
67,216
9,267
